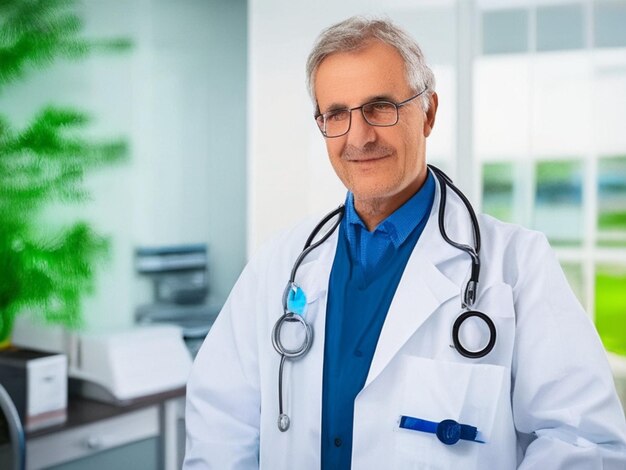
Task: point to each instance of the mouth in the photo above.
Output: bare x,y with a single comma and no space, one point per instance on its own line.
368,155
368,159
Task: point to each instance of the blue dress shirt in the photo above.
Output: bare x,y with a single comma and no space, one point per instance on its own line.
365,275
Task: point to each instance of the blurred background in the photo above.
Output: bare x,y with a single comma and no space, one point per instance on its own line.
223,150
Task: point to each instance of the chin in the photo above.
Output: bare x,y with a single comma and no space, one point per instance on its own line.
372,194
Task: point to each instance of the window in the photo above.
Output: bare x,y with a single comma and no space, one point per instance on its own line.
499,190
609,20
610,308
549,140
612,201
558,198
505,31
560,27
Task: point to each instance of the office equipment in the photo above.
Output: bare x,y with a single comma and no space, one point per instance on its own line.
119,367
180,290
178,273
36,381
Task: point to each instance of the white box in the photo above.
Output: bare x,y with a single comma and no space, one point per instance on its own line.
37,384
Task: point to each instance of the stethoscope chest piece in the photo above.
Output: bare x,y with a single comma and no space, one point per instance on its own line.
456,333
283,422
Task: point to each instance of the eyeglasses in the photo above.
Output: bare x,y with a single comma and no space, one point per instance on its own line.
380,113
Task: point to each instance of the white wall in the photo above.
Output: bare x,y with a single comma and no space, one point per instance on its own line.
289,174
178,97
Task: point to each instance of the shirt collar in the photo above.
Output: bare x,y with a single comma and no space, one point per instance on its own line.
401,223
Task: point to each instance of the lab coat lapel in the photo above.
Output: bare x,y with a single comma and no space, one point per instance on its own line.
312,277
424,285
314,272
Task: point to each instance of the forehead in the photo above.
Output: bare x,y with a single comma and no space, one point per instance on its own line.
349,78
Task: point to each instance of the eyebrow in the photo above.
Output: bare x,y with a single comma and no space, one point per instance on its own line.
337,106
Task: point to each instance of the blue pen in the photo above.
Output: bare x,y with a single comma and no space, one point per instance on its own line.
447,431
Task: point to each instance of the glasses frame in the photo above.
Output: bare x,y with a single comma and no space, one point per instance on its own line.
397,106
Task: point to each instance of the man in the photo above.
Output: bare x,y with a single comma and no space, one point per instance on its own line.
391,380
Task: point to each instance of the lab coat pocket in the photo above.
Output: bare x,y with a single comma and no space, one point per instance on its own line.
439,390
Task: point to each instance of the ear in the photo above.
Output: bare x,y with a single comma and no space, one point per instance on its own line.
429,122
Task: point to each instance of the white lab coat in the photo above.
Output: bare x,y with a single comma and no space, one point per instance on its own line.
544,397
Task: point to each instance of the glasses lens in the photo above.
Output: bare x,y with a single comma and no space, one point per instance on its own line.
335,122
381,113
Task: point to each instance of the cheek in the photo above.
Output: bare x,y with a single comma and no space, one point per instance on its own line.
334,150
335,146
411,142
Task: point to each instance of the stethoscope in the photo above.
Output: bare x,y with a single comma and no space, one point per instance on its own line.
294,298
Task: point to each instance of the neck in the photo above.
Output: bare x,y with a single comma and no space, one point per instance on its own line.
374,211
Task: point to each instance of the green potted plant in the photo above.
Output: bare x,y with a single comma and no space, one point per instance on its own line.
45,163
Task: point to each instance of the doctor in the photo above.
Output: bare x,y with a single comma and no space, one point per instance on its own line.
383,351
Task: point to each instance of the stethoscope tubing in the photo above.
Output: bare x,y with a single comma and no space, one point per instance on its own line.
285,353
469,295
468,300
310,246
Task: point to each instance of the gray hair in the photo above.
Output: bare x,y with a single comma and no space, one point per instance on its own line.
355,33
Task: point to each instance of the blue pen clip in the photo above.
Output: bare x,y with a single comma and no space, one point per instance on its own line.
447,431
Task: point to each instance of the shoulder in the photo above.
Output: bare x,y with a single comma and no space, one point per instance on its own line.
511,251
285,246
507,234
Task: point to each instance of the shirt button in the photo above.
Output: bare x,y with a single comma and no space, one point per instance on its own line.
338,442
358,353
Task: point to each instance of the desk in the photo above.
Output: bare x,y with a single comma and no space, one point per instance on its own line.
93,427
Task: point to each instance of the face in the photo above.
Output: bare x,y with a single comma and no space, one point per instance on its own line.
379,165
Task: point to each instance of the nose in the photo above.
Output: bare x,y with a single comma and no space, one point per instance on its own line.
361,133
